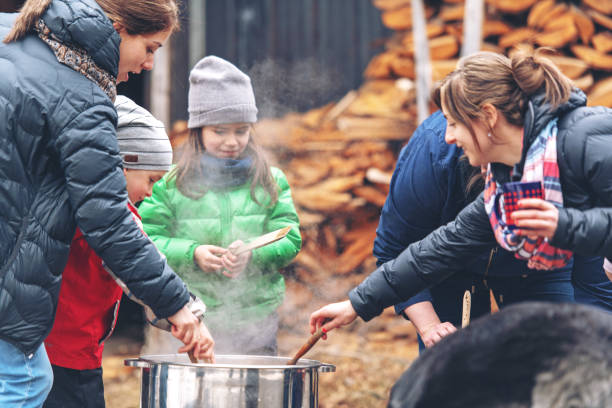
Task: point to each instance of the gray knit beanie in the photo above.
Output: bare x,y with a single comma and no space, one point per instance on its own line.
143,142
219,93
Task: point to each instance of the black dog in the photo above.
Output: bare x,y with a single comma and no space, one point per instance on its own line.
531,354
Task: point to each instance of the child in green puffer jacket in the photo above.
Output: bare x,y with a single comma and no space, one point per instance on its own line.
221,194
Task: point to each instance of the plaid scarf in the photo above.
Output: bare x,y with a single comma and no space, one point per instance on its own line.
78,59
540,165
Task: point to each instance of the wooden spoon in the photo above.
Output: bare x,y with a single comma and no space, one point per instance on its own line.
307,346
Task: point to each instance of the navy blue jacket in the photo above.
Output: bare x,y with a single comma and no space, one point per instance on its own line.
428,189
585,222
60,168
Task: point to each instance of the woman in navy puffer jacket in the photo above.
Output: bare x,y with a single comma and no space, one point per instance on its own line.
60,168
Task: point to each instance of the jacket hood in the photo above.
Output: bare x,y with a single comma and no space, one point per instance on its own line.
84,24
539,113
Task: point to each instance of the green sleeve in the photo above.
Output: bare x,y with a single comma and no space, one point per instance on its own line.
283,214
159,223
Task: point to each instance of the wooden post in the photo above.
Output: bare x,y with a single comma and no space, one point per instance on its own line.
159,91
421,59
472,27
197,31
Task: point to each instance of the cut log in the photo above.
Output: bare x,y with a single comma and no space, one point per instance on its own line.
601,93
559,38
559,22
379,67
585,82
603,42
387,5
537,14
494,28
398,19
452,13
552,15
602,6
601,19
375,175
593,57
520,35
319,200
584,24
441,68
571,67
371,195
308,171
512,6
432,29
442,47
403,67
375,128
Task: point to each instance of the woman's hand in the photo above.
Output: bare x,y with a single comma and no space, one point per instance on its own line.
331,316
234,265
536,218
187,328
208,257
434,333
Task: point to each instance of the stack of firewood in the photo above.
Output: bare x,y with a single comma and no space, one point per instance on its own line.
578,30
339,157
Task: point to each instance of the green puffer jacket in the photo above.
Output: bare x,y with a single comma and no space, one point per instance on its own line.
178,224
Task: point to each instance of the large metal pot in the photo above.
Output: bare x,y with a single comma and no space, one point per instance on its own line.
234,381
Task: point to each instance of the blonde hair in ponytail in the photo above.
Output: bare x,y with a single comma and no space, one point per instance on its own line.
29,14
531,71
491,78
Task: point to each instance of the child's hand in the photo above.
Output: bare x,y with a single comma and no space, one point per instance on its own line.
208,257
235,264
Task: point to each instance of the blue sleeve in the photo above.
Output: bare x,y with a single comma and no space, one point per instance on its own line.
417,195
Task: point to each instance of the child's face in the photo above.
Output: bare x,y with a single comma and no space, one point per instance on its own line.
226,141
140,183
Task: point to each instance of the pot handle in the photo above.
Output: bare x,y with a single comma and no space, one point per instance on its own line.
327,368
136,362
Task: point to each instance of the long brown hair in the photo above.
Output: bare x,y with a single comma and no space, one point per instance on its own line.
506,83
137,16
188,171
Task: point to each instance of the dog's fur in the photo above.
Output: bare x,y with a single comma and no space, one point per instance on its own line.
531,354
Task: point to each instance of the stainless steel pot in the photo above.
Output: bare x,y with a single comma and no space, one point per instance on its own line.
234,381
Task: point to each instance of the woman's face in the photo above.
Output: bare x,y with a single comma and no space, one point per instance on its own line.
226,141
476,149
136,51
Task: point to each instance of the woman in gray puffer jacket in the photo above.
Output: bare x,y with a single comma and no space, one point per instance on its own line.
60,168
523,119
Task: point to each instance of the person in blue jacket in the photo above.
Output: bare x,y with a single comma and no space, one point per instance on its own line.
430,185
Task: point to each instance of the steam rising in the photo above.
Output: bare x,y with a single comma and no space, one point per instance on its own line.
284,87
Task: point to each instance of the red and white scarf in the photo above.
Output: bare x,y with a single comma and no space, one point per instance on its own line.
540,165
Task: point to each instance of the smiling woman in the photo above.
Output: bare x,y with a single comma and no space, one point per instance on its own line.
550,137
58,113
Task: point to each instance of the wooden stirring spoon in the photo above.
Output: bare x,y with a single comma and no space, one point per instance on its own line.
307,346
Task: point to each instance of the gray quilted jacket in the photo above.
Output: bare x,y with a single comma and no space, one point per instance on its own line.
59,169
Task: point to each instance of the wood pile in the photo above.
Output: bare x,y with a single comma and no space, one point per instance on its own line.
578,30
339,157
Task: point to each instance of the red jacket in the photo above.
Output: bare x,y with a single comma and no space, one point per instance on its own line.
87,308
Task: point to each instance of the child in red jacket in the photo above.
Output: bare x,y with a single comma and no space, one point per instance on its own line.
89,296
